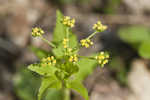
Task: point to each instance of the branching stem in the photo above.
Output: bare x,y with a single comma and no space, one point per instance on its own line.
49,43
92,35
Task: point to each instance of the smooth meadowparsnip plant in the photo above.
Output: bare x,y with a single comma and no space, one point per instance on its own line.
64,68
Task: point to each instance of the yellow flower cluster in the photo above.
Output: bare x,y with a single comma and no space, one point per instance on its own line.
99,27
86,43
65,42
73,58
68,21
37,32
102,58
49,60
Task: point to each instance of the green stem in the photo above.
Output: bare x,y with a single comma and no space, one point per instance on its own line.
67,32
87,57
65,91
67,35
66,94
91,35
51,44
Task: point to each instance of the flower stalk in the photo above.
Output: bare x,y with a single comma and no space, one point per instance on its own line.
89,37
49,43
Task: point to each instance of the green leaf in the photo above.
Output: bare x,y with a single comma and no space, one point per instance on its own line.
58,52
60,29
86,67
72,40
144,49
134,34
60,34
42,70
25,84
48,82
40,53
54,94
78,87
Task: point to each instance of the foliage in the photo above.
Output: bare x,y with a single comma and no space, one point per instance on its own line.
86,69
144,49
63,68
138,37
40,53
26,85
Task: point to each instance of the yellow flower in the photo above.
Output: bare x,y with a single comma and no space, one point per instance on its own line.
102,58
65,42
49,61
52,57
86,43
37,32
65,46
54,61
105,61
73,58
99,27
49,58
68,21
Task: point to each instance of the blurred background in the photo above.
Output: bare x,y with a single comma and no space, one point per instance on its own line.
126,77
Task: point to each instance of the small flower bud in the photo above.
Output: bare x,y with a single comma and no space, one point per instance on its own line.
99,27
68,21
102,58
49,61
65,42
86,43
73,58
36,32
